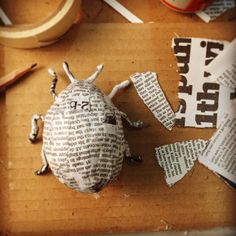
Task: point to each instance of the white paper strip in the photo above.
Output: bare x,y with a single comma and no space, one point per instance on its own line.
223,68
203,16
4,18
202,101
215,9
123,11
178,158
220,154
151,93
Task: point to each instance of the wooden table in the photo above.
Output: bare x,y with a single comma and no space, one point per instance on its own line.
139,200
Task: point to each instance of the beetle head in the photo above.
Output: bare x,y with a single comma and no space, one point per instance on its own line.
91,79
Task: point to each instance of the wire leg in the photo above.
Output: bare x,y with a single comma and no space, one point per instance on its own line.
135,124
44,167
53,83
132,158
119,86
35,128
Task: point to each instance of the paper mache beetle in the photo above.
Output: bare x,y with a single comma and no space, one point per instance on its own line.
83,138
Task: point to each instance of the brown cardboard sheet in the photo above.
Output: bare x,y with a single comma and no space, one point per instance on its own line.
139,200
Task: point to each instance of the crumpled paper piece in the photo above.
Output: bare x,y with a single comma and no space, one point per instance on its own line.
178,158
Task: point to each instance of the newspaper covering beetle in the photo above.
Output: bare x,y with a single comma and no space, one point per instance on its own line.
83,138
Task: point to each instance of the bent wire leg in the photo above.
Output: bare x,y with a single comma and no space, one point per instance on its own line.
44,167
132,158
94,76
119,86
53,83
34,127
135,124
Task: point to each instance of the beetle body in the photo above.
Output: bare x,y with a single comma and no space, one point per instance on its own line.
83,138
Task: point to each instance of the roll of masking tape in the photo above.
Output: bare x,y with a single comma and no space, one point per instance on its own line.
47,32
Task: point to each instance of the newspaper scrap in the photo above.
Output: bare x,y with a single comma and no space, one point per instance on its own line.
223,68
220,153
202,101
149,90
215,9
228,182
178,158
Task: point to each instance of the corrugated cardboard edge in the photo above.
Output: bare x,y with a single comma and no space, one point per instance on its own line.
45,33
3,165
3,154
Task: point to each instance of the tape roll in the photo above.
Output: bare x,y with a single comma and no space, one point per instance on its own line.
45,33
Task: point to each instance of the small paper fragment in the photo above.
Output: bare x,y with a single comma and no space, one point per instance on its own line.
202,101
220,154
4,18
123,11
150,92
223,68
215,9
178,158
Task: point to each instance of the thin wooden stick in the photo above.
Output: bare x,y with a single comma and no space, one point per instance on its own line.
14,76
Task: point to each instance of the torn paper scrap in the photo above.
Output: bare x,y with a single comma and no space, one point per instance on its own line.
123,11
220,153
228,182
202,101
215,9
4,18
223,68
151,93
178,158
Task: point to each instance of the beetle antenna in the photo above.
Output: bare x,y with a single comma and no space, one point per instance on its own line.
94,76
68,72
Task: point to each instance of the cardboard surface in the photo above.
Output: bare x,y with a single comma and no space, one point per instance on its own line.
139,200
